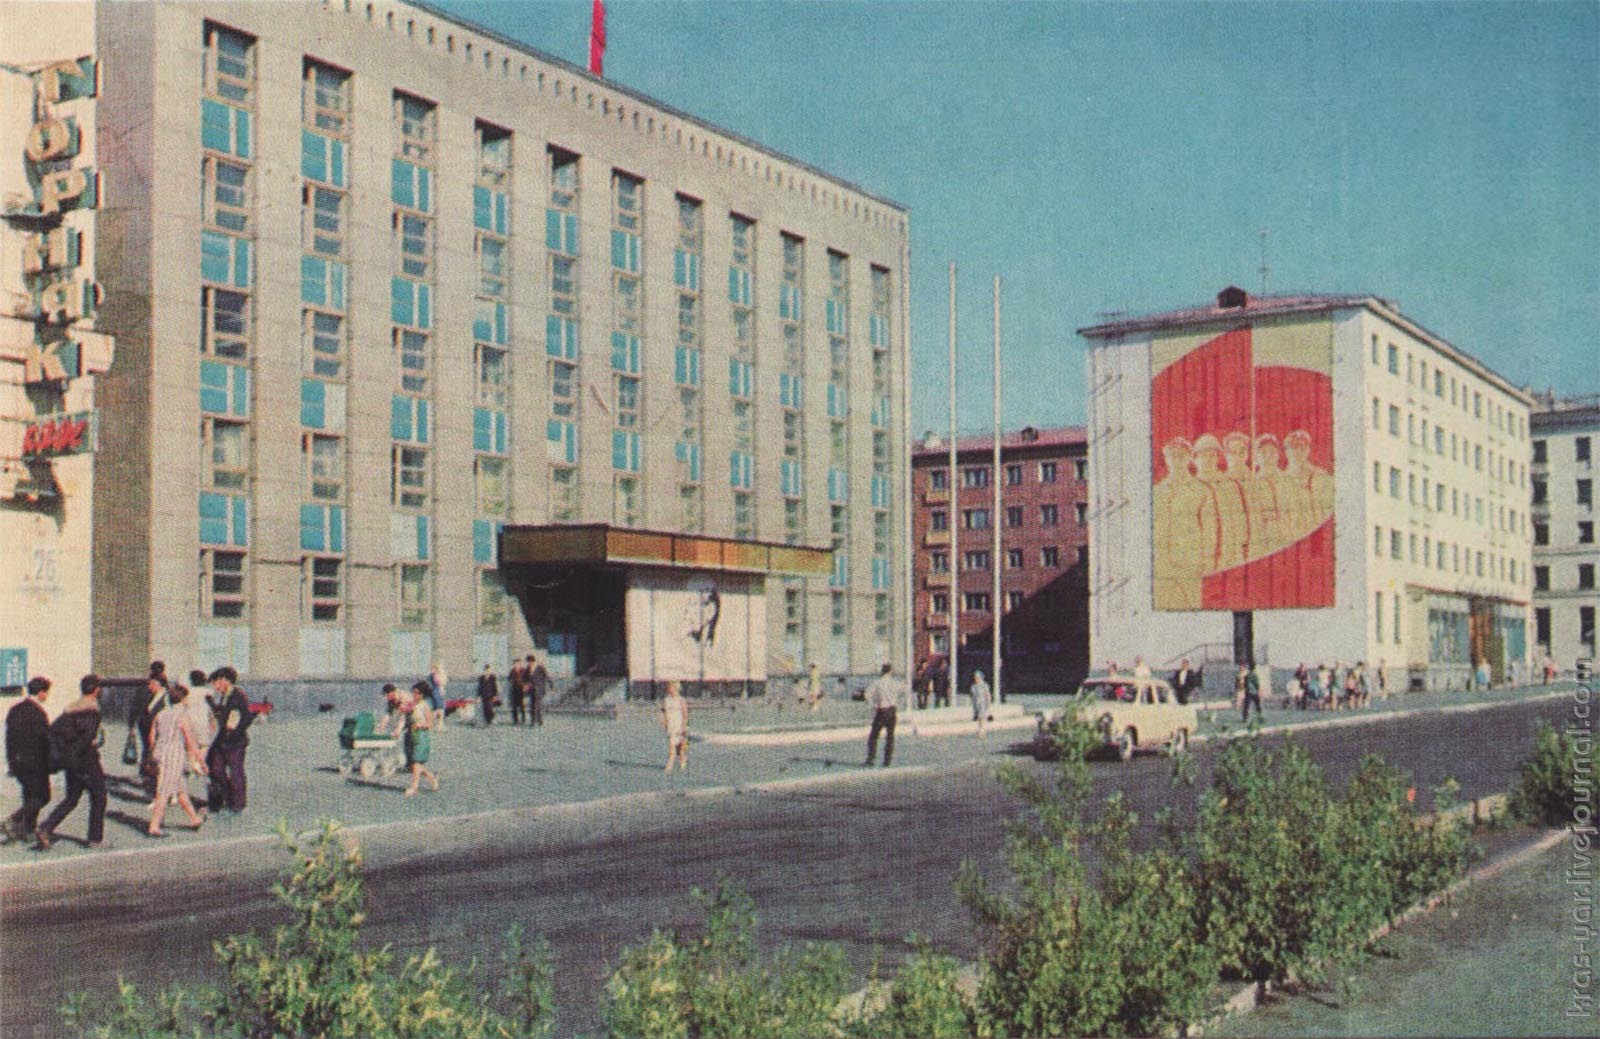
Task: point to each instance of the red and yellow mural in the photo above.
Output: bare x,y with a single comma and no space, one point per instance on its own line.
1241,439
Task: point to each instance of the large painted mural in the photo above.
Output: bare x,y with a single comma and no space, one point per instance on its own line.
1241,439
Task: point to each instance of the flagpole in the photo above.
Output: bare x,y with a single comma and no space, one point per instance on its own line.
953,517
998,604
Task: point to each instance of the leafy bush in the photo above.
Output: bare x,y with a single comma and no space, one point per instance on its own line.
925,1001
312,977
1547,790
674,986
1075,954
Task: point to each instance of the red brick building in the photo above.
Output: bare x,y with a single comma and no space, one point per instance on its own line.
1044,553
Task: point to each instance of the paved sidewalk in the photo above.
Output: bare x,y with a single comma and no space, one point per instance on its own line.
577,760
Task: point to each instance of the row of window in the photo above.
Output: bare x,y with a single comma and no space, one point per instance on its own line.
1015,516
1420,374
1582,491
974,476
1436,497
1498,466
1586,637
979,559
1581,451
1446,557
1585,583
1584,533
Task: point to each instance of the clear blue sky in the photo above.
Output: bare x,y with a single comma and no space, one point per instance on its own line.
1124,157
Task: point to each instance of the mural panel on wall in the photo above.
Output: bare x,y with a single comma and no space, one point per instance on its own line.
696,627
1241,439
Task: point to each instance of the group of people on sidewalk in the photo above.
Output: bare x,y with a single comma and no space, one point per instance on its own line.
527,682
171,735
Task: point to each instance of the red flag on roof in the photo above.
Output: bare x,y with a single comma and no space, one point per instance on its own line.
597,38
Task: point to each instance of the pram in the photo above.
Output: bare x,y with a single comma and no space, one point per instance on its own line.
366,752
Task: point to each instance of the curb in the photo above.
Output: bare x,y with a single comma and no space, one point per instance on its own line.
786,738
1376,718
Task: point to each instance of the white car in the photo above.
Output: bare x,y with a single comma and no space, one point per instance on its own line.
1129,714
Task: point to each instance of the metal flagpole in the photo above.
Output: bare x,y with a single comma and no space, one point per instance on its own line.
953,519
998,604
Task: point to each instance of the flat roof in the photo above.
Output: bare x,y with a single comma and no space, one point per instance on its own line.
601,544
611,84
1041,437
1256,307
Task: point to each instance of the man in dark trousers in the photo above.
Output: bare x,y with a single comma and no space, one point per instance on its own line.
517,684
884,697
941,683
225,759
538,685
75,743
147,703
488,692
1185,682
28,757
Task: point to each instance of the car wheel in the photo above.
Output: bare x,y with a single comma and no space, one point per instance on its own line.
1125,744
1180,742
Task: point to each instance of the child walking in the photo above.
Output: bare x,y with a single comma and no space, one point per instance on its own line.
675,719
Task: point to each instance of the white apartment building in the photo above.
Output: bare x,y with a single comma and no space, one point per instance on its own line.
405,304
1565,553
1359,484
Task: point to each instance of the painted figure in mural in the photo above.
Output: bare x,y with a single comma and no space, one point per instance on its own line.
1236,453
1224,517
1267,530
710,613
1183,551
1311,501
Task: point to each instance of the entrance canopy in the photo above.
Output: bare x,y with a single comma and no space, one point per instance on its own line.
599,544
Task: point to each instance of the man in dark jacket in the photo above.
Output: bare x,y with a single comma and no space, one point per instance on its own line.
488,692
28,757
1185,682
517,687
75,739
225,759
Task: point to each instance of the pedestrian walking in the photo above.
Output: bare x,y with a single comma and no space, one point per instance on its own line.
1325,686
1185,682
172,746
437,681
1140,668
225,759
675,720
488,694
1484,681
1249,684
884,697
1380,677
150,701
538,686
28,757
418,719
1514,673
75,740
517,688
982,696
941,683
814,687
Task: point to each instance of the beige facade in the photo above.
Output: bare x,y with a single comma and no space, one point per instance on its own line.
49,343
1566,555
346,248
1430,539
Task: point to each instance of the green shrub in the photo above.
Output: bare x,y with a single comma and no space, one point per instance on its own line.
1072,953
718,984
312,977
1555,777
925,1001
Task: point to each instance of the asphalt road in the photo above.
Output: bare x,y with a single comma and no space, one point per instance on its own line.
863,863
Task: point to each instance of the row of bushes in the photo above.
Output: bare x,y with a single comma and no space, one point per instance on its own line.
1281,877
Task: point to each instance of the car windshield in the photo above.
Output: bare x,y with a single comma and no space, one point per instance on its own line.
1123,691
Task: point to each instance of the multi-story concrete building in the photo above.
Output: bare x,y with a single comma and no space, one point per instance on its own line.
1565,553
1044,552
1290,478
51,344
439,348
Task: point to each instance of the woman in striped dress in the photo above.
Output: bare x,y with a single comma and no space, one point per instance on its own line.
172,743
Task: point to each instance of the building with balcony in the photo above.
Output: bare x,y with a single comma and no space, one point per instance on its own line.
1043,559
1302,478
403,300
1565,553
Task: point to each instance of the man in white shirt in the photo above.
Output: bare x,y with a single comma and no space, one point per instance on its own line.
885,697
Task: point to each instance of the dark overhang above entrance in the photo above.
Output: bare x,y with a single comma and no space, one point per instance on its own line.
599,544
